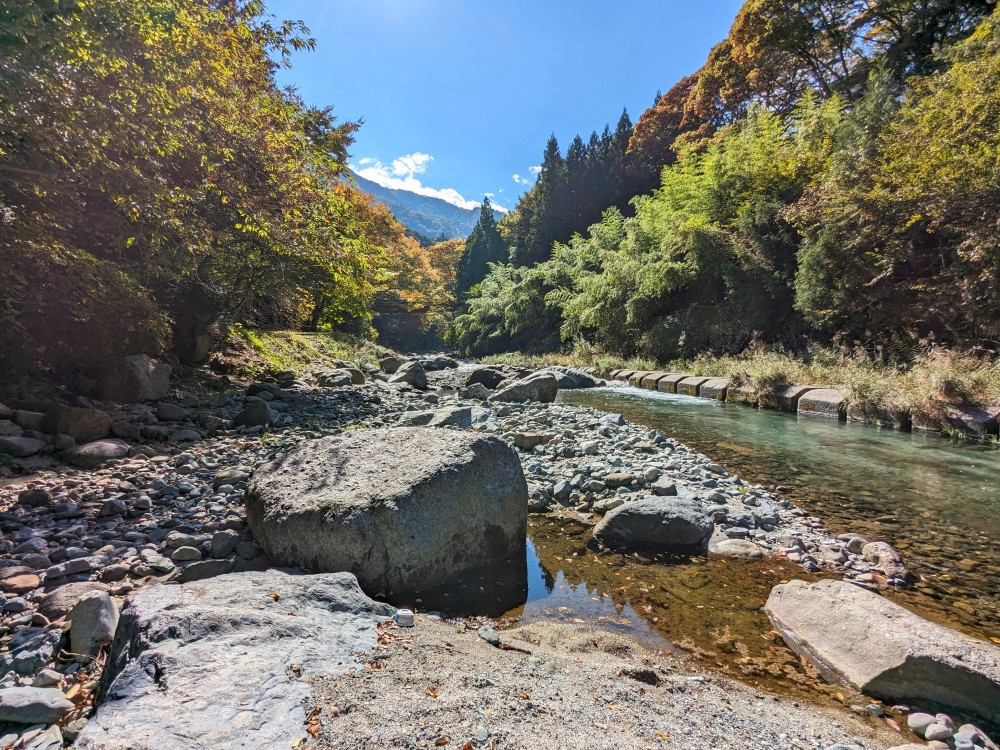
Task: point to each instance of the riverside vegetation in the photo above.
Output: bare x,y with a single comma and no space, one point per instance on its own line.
813,206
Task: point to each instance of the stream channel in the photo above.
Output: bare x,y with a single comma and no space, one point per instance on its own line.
936,500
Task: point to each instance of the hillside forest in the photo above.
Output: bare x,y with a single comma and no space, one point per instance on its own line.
829,176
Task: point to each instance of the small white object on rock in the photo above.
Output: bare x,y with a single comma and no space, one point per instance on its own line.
404,618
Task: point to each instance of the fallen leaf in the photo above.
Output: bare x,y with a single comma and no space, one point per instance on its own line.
892,723
995,640
524,695
432,692
441,741
468,746
274,596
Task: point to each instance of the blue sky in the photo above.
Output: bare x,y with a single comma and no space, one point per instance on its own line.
459,96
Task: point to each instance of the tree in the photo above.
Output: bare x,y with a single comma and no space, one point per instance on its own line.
483,247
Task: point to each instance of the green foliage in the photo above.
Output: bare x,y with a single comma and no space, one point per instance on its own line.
483,247
832,174
154,179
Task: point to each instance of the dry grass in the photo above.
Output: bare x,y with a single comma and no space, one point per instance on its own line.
936,377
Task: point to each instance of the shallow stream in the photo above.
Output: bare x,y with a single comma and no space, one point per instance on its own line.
937,501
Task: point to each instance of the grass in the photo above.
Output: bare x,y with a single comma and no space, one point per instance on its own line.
934,377
253,352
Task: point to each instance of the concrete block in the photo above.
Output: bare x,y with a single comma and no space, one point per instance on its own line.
970,420
636,377
822,402
741,394
714,388
689,386
652,379
879,416
784,398
668,383
622,374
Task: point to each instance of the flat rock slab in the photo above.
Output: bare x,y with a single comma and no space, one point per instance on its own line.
822,402
404,509
858,638
636,378
226,663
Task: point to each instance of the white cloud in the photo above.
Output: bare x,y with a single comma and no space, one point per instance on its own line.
535,170
520,180
401,175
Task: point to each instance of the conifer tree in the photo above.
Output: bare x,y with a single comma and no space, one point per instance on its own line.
484,246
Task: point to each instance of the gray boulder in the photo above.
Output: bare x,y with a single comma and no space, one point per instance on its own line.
539,386
487,377
81,424
411,373
58,602
20,447
334,379
257,414
390,364
92,455
137,378
858,638
404,509
476,391
30,650
228,646
94,618
673,524
31,705
438,362
570,378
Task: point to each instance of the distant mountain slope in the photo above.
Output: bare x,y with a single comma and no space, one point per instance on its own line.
431,217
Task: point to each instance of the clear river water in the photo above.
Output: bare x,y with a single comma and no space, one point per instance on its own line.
936,500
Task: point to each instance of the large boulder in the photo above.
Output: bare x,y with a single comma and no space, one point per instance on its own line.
656,523
858,638
79,423
569,378
97,453
137,378
228,662
31,705
404,509
486,376
539,386
410,373
20,447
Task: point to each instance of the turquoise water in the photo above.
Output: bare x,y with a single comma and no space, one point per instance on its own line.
938,501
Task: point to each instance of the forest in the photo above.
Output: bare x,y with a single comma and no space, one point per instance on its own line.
829,177
155,181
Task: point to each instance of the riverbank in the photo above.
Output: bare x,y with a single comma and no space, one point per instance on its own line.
941,391
171,509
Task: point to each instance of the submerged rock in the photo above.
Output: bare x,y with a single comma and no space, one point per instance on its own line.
856,637
404,509
675,523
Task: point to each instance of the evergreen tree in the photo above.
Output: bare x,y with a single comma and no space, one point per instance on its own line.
484,246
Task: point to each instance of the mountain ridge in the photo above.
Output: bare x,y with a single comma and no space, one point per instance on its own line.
431,217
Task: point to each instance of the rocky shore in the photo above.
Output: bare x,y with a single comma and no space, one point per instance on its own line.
121,498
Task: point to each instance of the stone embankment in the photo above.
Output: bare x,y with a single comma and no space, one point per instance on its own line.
158,517
968,420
